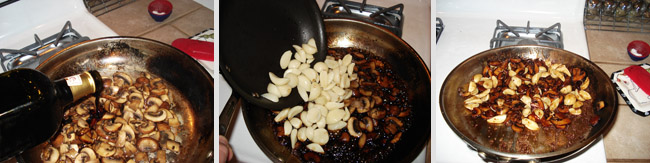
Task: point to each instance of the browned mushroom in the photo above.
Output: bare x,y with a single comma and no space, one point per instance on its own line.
147,145
141,157
146,128
50,155
105,150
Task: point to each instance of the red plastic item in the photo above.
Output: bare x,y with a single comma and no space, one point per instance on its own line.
642,48
639,76
160,9
202,50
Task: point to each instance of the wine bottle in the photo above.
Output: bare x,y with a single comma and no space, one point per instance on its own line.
32,106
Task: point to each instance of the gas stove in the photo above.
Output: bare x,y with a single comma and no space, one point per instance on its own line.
21,45
412,31
470,29
505,35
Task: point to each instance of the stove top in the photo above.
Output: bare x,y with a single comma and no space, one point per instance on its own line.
32,55
505,35
390,18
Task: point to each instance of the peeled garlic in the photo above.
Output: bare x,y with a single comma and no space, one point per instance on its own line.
335,116
277,80
285,90
304,82
301,134
336,126
309,50
314,92
271,97
530,124
585,95
497,119
575,111
295,122
282,115
272,89
285,59
287,128
294,111
293,136
316,148
321,136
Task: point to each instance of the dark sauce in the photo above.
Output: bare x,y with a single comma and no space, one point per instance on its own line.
378,144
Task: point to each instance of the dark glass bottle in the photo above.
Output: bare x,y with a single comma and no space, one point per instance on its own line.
32,106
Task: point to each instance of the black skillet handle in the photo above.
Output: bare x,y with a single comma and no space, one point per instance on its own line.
228,114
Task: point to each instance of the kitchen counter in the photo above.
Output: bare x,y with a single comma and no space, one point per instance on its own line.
187,19
627,140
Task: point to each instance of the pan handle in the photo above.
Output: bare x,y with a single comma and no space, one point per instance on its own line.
488,157
228,114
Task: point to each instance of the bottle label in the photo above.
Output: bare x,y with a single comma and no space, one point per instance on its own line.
73,80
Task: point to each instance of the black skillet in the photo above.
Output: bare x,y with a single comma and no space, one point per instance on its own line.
253,36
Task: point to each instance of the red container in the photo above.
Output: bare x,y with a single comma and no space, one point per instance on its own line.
638,50
160,10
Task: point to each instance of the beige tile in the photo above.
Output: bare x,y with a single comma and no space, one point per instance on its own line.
611,68
134,20
166,34
629,138
611,47
196,21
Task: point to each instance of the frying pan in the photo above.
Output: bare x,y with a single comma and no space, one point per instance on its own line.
406,63
253,36
452,108
129,54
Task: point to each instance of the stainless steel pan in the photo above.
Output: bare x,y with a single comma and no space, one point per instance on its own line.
130,54
452,109
406,63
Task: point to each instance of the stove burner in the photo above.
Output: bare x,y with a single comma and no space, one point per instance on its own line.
505,35
390,18
32,55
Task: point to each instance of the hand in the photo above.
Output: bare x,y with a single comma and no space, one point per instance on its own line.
225,152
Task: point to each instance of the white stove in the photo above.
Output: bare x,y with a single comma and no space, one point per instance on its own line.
21,20
468,28
416,31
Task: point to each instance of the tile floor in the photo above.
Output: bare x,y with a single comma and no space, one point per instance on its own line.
187,19
627,141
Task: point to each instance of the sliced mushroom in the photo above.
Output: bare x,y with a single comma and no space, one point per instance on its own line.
112,127
362,140
85,155
105,150
153,101
147,145
50,155
129,148
173,146
155,116
160,156
366,123
146,128
125,78
351,127
141,157
111,160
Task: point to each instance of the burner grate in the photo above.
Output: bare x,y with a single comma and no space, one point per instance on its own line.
505,35
390,18
34,54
